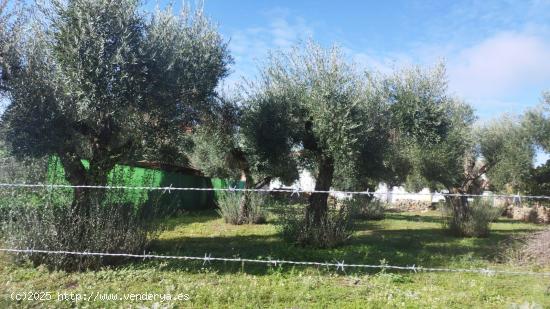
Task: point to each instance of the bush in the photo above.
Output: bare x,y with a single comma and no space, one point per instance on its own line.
474,221
29,170
257,213
335,228
365,208
229,204
54,225
229,208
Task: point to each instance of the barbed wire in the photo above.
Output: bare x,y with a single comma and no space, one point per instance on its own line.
339,265
170,188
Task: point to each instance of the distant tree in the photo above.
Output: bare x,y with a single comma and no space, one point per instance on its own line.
537,122
499,150
94,79
215,141
538,182
507,154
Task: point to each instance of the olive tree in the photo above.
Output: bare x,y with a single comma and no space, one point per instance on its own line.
537,122
310,102
96,79
220,150
507,153
539,180
497,151
451,162
420,114
215,142
337,122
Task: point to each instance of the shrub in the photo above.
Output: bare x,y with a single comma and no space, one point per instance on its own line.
473,221
257,213
335,227
54,225
229,208
365,208
229,204
29,170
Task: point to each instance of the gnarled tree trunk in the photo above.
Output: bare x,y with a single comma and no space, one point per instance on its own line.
77,175
459,204
318,202
84,199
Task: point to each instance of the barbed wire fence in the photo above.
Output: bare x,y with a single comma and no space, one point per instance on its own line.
208,258
170,188
338,265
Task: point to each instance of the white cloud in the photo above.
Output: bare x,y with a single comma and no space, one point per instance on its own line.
251,45
500,66
384,65
503,71
287,32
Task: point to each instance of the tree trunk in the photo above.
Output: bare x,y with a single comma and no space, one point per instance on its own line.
77,175
318,202
459,204
244,207
262,183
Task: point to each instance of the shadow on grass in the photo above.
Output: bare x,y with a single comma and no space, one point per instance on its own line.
414,217
189,218
515,222
397,243
429,247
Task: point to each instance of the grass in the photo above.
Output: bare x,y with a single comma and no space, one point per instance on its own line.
400,239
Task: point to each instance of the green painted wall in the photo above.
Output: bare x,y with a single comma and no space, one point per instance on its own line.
123,175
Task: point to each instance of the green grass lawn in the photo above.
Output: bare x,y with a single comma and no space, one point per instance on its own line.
400,239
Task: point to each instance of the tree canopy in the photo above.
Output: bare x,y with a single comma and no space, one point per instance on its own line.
449,162
336,121
537,122
495,155
507,152
101,81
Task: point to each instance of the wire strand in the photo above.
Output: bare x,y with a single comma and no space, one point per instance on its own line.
338,265
283,190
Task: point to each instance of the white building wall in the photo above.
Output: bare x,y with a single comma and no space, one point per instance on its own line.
307,182
399,193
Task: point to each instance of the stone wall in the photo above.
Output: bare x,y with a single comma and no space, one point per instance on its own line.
535,214
411,205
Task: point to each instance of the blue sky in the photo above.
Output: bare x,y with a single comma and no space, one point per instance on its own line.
497,52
